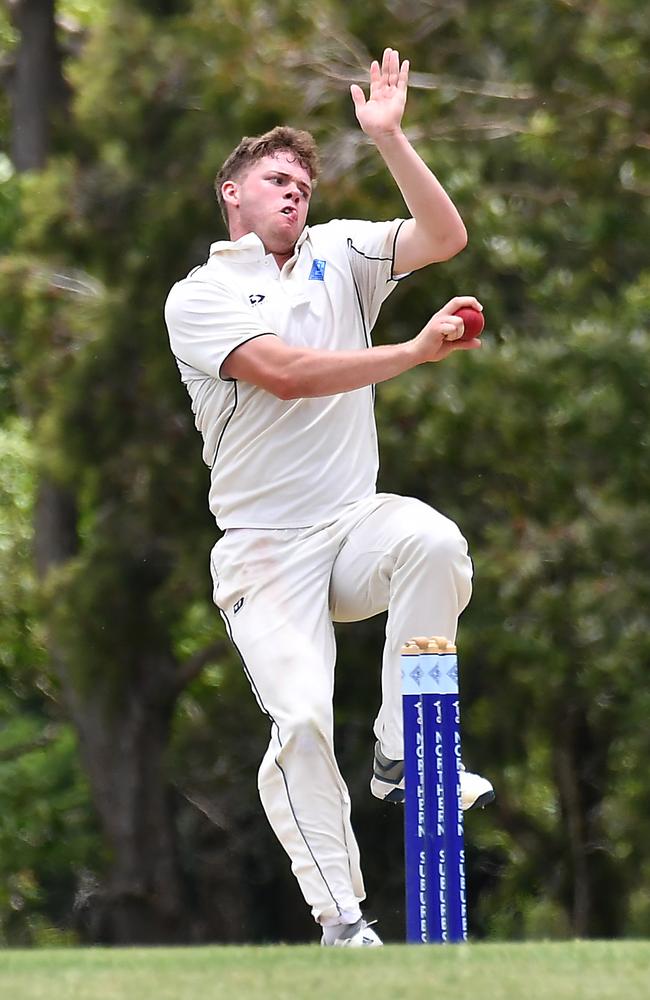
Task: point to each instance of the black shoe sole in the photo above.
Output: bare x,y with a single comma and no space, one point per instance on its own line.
397,798
482,801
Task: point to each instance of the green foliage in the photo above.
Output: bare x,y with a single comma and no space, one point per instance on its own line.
534,116
85,13
19,647
8,201
550,482
8,34
47,832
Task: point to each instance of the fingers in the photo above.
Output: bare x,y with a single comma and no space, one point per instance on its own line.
465,345
442,335
390,67
448,346
460,301
390,74
448,327
403,80
451,328
357,95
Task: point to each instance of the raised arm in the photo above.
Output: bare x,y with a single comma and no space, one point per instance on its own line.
436,231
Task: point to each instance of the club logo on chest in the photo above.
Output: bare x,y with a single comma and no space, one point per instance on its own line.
317,272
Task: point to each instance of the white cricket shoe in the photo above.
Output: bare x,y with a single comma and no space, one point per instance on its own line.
358,935
476,792
387,783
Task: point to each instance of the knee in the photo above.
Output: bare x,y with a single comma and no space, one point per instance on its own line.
437,537
436,548
305,733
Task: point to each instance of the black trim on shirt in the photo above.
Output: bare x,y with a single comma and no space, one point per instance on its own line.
392,277
366,333
366,255
391,258
351,245
267,333
232,381
392,270
228,419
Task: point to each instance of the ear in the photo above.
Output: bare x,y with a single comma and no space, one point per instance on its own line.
230,193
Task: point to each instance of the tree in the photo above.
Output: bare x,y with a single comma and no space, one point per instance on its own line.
543,148
47,832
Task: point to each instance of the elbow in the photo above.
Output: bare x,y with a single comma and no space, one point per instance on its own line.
283,379
455,243
284,386
286,393
446,246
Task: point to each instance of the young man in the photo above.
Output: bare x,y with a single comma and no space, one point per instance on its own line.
272,339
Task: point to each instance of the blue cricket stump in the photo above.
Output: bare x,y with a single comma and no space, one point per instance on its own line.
434,849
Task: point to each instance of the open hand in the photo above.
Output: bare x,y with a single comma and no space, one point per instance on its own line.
381,114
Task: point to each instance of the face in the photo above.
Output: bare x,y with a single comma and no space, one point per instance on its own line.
270,200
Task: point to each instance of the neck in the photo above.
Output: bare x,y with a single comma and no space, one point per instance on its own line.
282,258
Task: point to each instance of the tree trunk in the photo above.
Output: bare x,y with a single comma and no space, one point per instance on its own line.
36,82
123,734
568,783
123,750
581,769
55,526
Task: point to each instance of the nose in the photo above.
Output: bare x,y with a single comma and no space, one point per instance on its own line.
292,193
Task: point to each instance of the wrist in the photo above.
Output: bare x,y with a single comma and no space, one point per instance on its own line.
388,138
413,352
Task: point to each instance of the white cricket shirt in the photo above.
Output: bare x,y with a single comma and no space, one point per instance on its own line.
283,463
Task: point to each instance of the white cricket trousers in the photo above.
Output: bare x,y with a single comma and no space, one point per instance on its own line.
279,590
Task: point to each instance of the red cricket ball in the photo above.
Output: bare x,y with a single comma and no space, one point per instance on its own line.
473,322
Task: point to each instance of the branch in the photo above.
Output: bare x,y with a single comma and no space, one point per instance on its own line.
207,807
528,192
346,74
12,753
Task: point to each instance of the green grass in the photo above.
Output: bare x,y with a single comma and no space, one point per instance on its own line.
579,970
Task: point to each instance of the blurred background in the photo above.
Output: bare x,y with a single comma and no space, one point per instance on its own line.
129,740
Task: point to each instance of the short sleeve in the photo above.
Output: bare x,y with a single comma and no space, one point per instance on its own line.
371,252
206,321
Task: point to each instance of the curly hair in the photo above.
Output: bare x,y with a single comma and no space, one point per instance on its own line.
254,148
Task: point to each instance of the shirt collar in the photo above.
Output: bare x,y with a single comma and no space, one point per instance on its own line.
248,247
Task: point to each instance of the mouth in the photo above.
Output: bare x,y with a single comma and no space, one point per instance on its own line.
290,213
